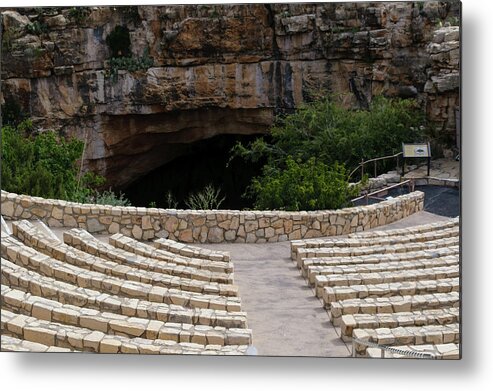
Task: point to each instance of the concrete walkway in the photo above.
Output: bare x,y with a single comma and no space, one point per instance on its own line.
285,316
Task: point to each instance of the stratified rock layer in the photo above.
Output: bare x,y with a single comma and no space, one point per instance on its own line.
225,69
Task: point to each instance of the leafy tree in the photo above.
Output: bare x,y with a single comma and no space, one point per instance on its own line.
46,165
309,185
325,139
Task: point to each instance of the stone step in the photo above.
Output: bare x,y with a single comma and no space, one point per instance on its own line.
313,271
454,222
398,319
407,288
29,281
133,246
12,344
378,258
376,241
80,338
20,254
447,351
109,323
35,238
419,335
346,280
191,251
378,305
358,251
70,255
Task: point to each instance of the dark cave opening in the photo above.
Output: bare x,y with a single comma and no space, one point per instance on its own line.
204,163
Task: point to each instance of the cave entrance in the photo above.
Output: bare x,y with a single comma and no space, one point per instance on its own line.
204,162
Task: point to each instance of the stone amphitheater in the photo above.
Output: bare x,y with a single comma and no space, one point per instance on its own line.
70,283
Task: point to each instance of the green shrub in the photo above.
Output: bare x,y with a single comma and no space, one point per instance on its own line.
206,199
308,153
106,197
130,64
310,185
46,165
79,14
40,165
171,202
37,28
331,133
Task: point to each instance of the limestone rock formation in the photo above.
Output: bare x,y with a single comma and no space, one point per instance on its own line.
216,69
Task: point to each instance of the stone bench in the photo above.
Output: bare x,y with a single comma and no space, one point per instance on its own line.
304,263
191,251
313,271
21,278
112,324
377,241
18,253
448,351
357,251
11,344
407,288
83,339
398,319
346,280
391,304
430,334
84,241
406,231
58,250
133,246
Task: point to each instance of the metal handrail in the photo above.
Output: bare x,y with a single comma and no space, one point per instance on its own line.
374,160
372,194
384,348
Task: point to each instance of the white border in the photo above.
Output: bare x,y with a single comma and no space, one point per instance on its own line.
474,371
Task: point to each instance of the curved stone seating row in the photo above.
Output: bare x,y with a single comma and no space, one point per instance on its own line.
84,241
18,277
79,338
397,319
357,251
337,293
11,344
377,241
418,335
345,280
18,253
191,251
35,239
133,246
313,271
451,223
375,305
112,324
304,263
447,351
396,287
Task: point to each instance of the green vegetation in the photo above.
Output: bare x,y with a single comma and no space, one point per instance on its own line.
37,28
311,151
207,198
79,14
130,64
121,56
171,201
301,185
46,165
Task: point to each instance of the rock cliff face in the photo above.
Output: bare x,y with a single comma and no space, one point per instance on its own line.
225,69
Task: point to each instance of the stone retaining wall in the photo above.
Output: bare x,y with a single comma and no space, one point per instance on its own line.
215,226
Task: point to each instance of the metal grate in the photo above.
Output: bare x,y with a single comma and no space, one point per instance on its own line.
384,348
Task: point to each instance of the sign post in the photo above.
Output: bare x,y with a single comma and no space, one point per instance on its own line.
416,151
